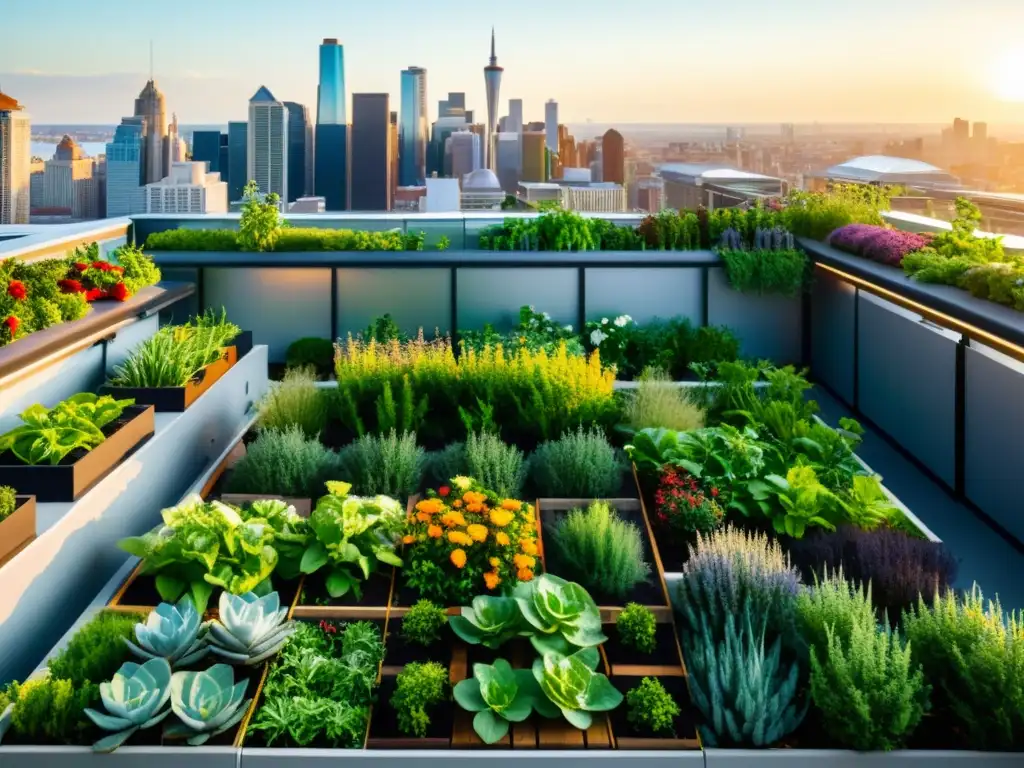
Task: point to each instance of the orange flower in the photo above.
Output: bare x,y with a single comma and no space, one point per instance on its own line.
525,574
494,562
492,580
474,497
502,538
434,531
458,537
523,561
457,504
475,508
477,532
458,558
453,519
501,517
423,517
528,547
511,505
408,539
430,506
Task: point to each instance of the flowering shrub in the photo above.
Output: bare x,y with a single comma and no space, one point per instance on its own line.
463,540
535,331
886,246
683,507
611,336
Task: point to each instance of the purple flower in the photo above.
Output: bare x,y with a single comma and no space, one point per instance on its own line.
886,246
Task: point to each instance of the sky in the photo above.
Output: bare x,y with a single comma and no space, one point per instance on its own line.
625,61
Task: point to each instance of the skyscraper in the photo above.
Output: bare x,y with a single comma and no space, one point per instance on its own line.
267,145
330,177
206,149
238,159
534,145
514,124
551,125
69,183
441,130
412,129
151,105
371,166
613,157
492,79
298,130
465,151
509,158
15,162
126,168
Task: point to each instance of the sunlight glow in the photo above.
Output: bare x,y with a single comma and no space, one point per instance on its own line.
1008,75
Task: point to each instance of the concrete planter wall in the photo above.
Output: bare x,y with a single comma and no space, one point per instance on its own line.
125,757
837,758
469,758
769,326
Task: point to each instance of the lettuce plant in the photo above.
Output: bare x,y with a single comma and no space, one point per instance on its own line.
489,621
135,699
572,687
562,615
499,695
352,534
795,502
49,434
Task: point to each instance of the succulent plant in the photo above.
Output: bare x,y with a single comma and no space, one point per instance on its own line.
250,629
171,632
207,703
134,699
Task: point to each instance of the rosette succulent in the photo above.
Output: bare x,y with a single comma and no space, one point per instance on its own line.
171,632
562,614
489,621
134,699
499,695
250,629
206,703
572,686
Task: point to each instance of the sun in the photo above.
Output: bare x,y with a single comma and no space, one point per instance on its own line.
1008,75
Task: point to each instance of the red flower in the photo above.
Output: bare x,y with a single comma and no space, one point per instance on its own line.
115,268
80,266
119,292
94,293
328,628
444,490
102,266
12,324
70,286
16,290
714,493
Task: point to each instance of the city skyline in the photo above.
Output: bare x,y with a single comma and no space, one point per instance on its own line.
208,75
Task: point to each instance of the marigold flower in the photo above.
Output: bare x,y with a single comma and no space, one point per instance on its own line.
408,539
458,537
430,506
423,517
119,292
502,538
492,580
494,562
94,293
434,531
523,561
501,517
457,504
475,508
511,505
16,290
477,532
453,519
529,547
474,497
525,574
458,558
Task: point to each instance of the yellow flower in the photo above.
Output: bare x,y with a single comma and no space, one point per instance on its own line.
523,561
501,517
474,497
494,562
434,531
492,580
528,547
423,517
477,532
458,558
511,505
475,508
525,574
458,537
408,539
462,482
430,506
453,519
502,538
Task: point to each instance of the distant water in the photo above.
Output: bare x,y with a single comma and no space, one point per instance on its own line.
45,149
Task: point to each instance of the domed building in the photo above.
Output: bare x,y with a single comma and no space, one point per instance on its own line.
481,191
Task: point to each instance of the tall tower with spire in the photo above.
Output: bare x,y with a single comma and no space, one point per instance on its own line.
151,105
492,79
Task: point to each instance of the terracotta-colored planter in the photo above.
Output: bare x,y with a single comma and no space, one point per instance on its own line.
178,399
19,529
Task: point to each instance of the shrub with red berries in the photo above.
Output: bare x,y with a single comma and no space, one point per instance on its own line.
683,506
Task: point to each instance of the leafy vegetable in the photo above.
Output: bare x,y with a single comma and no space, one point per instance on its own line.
499,695
562,614
571,686
489,621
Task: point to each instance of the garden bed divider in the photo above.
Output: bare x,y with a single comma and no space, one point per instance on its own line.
19,529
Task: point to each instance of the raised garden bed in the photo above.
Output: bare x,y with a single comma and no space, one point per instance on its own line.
80,470
18,529
178,399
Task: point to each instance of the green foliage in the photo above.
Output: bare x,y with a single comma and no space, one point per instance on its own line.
49,710
973,654
296,401
499,695
495,465
581,464
96,650
560,614
48,435
418,687
600,550
284,239
284,462
745,222
795,502
652,708
834,603
8,502
176,354
390,464
489,621
572,686
443,243
816,215
658,402
535,331
139,269
193,240
423,622
311,351
441,466
260,223
765,272
636,627
383,329
137,698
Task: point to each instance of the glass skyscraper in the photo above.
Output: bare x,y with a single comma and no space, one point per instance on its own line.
238,159
126,169
206,149
371,171
330,177
412,138
298,125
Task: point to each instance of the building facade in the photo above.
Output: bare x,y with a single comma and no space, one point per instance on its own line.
298,151
69,183
15,162
412,128
533,156
551,125
331,99
371,156
464,148
330,165
126,169
206,149
188,188
152,106
238,159
267,152
514,124
509,160
613,157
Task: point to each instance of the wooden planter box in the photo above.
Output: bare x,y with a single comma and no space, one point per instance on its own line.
19,529
178,399
68,480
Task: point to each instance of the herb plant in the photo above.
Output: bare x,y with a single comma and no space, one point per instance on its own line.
390,464
439,467
636,627
652,708
284,462
311,352
581,464
49,710
294,401
95,651
8,502
418,688
489,621
494,464
765,271
423,623
657,401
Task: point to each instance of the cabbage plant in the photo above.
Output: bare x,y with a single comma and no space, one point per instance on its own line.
562,614
489,621
499,695
135,699
172,632
206,703
572,687
250,629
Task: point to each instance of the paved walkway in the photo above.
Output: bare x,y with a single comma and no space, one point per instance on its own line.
985,557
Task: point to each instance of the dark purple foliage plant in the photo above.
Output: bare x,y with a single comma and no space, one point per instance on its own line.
886,246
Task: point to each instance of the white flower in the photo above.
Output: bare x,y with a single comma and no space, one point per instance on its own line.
596,337
1019,282
604,321
568,328
622,320
547,316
